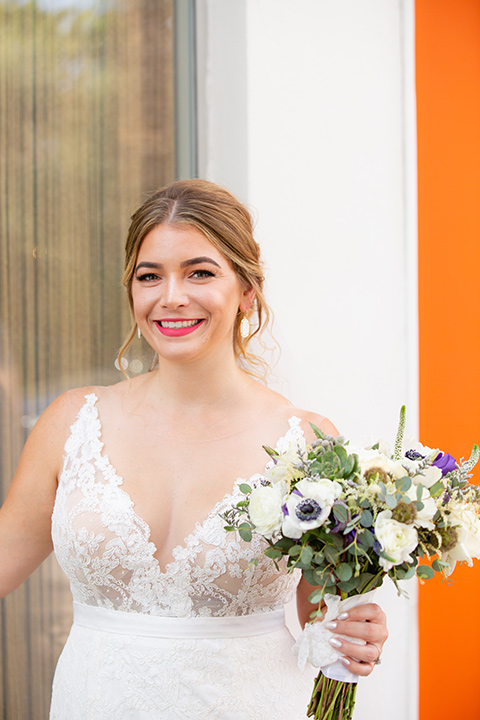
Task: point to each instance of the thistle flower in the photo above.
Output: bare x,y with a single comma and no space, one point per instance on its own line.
404,512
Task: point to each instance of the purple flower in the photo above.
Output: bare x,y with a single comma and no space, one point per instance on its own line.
445,462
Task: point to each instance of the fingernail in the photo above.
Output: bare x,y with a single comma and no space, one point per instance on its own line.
345,661
343,616
336,643
331,625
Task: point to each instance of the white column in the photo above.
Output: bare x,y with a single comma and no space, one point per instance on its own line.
308,115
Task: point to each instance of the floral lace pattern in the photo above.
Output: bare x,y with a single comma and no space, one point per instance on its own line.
131,678
104,549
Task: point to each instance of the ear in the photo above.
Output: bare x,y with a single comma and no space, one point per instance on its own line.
247,298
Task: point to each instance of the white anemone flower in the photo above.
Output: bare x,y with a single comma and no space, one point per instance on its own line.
309,506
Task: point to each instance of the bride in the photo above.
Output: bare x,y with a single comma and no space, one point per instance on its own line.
126,483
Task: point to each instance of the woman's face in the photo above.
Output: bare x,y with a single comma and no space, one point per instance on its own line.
185,294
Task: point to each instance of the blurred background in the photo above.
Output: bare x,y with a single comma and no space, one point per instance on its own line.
350,128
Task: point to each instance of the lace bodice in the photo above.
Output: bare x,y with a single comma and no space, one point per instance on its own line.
103,546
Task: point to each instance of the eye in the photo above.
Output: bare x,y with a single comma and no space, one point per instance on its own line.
146,277
202,274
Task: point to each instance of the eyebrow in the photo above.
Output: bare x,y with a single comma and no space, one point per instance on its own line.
185,263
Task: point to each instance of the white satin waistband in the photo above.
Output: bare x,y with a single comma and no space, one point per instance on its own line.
132,623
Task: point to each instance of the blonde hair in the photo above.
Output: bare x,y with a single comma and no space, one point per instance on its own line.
228,225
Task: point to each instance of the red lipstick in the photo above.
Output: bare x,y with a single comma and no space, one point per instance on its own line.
182,327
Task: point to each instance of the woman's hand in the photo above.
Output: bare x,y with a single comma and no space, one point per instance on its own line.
366,623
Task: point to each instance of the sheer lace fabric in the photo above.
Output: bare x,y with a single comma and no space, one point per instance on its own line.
103,547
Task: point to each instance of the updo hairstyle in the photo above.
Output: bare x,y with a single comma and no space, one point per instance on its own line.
228,225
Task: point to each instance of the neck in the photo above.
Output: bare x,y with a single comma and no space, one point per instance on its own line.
200,385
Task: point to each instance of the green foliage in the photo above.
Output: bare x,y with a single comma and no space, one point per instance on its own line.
245,488
397,453
425,572
245,532
437,489
404,484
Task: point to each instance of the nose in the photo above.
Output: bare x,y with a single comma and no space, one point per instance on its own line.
174,294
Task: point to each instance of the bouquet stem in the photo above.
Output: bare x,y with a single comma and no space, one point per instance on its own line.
332,699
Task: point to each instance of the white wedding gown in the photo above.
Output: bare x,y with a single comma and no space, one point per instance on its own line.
202,640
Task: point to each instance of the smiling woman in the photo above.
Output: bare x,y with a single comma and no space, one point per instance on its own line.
172,616
191,294
225,246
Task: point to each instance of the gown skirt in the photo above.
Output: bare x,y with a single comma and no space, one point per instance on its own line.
131,666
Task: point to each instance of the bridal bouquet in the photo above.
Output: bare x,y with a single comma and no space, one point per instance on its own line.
347,518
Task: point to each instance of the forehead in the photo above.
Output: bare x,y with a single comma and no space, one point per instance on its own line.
178,243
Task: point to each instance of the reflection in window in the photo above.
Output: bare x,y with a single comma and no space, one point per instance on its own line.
86,129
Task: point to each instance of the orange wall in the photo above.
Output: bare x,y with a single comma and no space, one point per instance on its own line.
448,106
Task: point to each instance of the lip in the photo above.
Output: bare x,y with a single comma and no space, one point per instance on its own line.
181,331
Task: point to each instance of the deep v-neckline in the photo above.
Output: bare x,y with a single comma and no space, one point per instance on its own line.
116,481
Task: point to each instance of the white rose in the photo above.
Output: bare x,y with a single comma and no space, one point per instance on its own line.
425,516
309,506
467,524
397,540
265,509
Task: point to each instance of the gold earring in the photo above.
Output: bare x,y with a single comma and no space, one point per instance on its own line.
244,327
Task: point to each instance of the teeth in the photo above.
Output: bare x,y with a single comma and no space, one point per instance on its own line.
178,323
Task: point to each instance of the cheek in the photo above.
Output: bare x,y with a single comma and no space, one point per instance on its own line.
140,301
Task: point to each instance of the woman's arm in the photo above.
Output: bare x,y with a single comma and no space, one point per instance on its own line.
364,622
25,517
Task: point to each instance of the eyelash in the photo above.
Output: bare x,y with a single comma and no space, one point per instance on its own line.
203,273
200,274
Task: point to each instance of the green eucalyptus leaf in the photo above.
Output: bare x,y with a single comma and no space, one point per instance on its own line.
344,572
337,540
245,488
295,550
437,489
285,544
319,576
273,553
309,577
306,555
366,519
410,572
363,580
349,585
341,513
419,492
316,596
439,565
245,532
425,572
391,502
331,554
365,539
403,484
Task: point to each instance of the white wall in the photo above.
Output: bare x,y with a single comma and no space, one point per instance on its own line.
307,115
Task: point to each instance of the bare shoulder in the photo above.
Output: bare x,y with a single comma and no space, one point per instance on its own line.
310,418
49,433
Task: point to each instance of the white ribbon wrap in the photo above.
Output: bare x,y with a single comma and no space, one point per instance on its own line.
313,644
